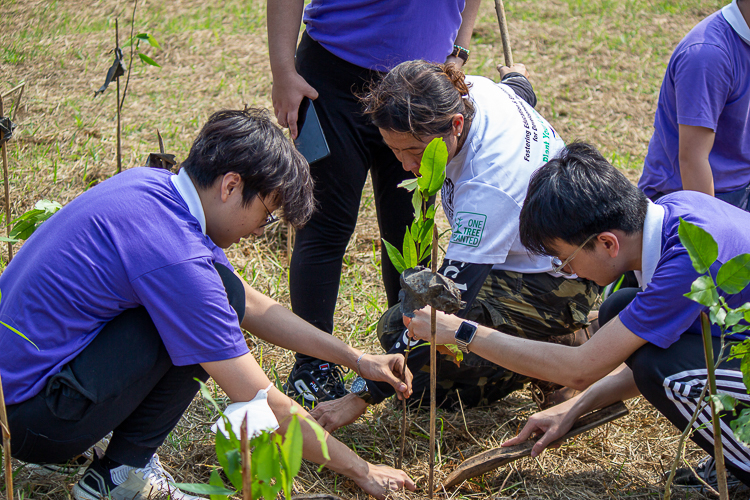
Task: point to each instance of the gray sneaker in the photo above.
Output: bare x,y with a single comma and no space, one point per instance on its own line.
684,478
128,483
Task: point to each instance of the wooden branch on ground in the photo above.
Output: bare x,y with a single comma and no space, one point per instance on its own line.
492,459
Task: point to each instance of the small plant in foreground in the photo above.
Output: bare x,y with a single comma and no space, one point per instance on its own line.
732,277
275,460
25,225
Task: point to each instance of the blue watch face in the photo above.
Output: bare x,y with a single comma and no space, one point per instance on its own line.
359,385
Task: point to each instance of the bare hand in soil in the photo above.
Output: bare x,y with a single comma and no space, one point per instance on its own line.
552,424
286,94
382,479
332,415
389,368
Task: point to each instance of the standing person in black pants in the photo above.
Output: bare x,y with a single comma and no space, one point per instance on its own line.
347,46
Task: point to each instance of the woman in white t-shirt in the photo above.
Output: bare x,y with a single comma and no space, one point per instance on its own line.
495,141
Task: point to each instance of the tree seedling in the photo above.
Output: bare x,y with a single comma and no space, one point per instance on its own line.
732,277
274,463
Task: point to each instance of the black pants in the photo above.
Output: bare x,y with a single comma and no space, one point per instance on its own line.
672,379
123,382
356,147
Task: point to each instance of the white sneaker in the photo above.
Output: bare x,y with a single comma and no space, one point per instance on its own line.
128,483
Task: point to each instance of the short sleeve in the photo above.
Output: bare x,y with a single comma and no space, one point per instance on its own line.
661,313
189,306
485,224
703,82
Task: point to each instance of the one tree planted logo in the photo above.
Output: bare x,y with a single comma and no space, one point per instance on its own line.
468,228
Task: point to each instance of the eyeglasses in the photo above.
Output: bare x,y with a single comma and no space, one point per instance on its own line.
559,267
271,217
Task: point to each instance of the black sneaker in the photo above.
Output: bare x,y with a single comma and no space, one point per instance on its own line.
315,382
685,478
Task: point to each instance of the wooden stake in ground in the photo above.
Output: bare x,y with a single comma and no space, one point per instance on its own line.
6,445
500,9
7,186
433,369
721,471
119,150
247,480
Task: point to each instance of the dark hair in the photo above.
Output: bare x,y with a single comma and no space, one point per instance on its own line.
420,98
577,194
248,143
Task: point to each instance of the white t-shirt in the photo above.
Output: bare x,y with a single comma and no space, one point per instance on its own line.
487,181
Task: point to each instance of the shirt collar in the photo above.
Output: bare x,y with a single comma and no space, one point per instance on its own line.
185,187
651,244
734,17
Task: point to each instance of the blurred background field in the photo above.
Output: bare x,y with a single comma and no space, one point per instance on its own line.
596,65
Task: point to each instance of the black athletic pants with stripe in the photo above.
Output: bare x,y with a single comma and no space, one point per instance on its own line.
123,382
672,380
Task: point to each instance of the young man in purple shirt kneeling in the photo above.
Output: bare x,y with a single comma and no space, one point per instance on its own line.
128,298
584,212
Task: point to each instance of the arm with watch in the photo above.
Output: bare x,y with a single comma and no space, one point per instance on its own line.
332,415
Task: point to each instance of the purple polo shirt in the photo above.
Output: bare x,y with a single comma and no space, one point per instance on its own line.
660,313
127,242
380,34
707,84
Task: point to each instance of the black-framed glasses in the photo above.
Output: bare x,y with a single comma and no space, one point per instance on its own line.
559,267
271,217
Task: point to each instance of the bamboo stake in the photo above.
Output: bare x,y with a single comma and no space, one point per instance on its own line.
404,422
500,9
7,188
247,480
6,445
119,150
433,370
721,471
18,101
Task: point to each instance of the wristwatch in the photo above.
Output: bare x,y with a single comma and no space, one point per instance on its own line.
360,389
465,334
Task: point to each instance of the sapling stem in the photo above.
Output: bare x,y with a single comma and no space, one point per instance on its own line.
119,150
721,471
433,369
7,187
247,479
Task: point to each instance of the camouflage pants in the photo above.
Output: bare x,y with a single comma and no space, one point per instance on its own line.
533,306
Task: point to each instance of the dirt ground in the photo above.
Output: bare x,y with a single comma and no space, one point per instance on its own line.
597,67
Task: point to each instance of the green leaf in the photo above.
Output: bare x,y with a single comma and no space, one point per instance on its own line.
265,466
416,202
151,41
700,245
410,250
453,348
320,433
431,212
47,206
291,454
723,402
745,369
432,168
426,242
9,240
717,314
741,426
216,492
734,275
215,480
206,393
228,456
396,258
18,333
148,60
409,184
703,291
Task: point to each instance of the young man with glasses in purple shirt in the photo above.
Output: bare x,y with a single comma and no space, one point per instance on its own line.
583,211
129,297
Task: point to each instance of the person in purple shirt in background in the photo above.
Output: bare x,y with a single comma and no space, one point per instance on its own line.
128,297
583,211
701,138
348,45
